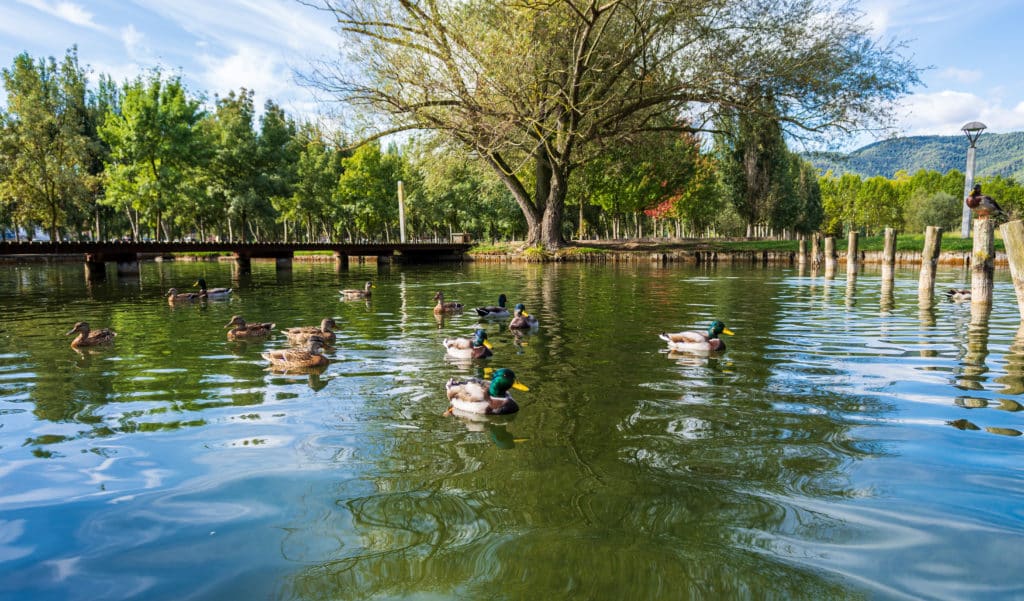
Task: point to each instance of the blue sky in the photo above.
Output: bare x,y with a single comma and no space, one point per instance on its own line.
972,49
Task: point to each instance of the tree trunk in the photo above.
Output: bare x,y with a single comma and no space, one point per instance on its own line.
53,222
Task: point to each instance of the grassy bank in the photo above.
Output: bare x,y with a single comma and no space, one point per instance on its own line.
951,242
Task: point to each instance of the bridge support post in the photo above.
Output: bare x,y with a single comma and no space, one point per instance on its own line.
95,268
244,263
128,266
340,262
284,263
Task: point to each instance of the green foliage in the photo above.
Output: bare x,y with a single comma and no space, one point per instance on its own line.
44,143
932,208
156,151
316,172
537,89
536,254
367,190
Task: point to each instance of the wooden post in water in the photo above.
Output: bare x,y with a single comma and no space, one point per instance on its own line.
830,256
851,252
801,254
888,265
929,259
983,262
1013,239
889,252
816,257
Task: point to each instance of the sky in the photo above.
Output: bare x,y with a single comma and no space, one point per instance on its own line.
970,50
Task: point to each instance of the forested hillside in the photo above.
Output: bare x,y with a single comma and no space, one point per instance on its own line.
998,154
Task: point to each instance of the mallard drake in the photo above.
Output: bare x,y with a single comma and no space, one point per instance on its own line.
477,347
89,338
959,295
309,357
442,307
245,331
205,292
355,293
302,334
522,319
185,297
498,312
484,397
698,341
983,205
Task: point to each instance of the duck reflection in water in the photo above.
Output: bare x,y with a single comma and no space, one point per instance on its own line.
497,431
314,376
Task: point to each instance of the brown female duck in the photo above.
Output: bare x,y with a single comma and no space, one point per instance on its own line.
247,331
173,296
356,294
308,358
302,334
443,308
87,337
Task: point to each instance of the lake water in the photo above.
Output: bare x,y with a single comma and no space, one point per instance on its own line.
847,444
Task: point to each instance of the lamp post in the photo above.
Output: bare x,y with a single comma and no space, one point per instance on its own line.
972,130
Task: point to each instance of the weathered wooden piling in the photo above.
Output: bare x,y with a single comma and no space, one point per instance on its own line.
830,257
1013,240
888,265
816,256
929,258
889,254
983,264
851,252
801,253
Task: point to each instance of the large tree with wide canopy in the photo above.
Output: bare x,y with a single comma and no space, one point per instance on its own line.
536,87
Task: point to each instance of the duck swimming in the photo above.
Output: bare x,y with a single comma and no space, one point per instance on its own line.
89,338
247,331
469,348
959,295
173,296
302,334
484,397
698,341
354,293
494,312
310,357
205,292
522,319
442,308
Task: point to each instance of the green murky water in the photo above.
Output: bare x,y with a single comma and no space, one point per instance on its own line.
846,445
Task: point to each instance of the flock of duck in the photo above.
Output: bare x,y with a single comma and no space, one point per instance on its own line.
473,396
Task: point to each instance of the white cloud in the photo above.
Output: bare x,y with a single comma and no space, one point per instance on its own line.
877,15
944,113
132,39
67,11
277,24
249,67
964,76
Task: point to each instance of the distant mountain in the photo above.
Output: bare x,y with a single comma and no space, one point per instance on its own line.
997,154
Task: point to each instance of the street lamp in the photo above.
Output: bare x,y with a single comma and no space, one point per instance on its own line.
972,130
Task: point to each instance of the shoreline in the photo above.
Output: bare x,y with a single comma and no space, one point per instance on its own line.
573,255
